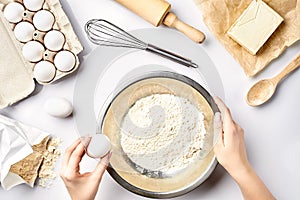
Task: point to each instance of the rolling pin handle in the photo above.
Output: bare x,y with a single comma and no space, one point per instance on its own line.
172,21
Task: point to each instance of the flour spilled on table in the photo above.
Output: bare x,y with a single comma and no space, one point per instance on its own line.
40,164
46,173
163,132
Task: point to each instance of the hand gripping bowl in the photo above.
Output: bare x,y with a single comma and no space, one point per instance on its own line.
137,179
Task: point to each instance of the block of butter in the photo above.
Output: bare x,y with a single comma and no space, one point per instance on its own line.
256,24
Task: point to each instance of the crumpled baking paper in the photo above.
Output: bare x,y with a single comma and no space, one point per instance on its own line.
219,15
16,141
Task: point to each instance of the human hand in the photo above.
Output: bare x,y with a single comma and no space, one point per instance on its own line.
81,186
231,153
230,148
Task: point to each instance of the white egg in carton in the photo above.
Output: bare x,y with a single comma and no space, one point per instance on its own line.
44,41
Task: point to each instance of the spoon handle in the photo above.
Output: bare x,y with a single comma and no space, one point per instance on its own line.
288,69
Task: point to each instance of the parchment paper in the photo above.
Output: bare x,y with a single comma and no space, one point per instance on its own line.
219,15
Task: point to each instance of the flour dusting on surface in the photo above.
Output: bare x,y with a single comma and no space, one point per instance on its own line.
46,173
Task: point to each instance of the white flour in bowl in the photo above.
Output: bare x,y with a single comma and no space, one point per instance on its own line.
163,132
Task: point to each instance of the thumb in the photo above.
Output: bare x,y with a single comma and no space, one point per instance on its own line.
218,133
102,165
218,127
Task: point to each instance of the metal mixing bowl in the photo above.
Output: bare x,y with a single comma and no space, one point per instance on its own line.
126,173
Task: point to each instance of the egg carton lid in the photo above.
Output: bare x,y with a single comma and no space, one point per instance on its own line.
16,80
16,73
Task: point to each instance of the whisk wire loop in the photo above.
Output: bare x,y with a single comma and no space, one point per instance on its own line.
111,35
105,33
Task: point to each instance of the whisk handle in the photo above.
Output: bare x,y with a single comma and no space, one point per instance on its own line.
171,56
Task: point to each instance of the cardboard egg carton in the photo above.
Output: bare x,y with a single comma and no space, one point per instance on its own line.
17,73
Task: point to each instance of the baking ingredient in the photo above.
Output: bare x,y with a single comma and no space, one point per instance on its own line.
163,132
99,146
54,40
33,51
44,71
58,107
43,20
46,172
219,15
13,12
28,167
17,71
64,61
256,24
39,164
24,31
18,142
33,5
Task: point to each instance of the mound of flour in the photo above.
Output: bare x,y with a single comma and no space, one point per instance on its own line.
163,132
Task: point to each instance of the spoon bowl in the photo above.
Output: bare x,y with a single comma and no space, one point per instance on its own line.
261,92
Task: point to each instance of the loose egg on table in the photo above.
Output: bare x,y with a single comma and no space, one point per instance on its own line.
58,107
43,20
13,12
54,40
33,51
44,71
33,5
24,31
64,61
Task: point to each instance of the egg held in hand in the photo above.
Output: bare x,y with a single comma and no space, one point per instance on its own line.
98,146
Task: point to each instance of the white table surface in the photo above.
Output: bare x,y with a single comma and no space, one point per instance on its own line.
272,131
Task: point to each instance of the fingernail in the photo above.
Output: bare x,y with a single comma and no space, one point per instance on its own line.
109,154
106,158
216,98
217,126
85,140
217,117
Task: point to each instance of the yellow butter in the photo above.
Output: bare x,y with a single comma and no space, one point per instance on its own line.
256,24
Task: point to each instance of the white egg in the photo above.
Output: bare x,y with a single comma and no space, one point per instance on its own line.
33,5
64,61
44,71
58,107
33,51
13,12
99,146
54,40
24,31
43,20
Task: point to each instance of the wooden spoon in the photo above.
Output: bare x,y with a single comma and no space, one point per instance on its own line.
263,90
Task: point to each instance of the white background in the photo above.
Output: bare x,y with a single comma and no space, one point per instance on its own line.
272,131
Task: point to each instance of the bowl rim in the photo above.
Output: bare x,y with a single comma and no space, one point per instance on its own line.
160,74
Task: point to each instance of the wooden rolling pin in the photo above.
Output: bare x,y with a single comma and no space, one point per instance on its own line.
157,12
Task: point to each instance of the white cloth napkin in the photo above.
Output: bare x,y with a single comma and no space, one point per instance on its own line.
16,141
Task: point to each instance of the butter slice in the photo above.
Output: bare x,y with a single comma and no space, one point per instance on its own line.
254,27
